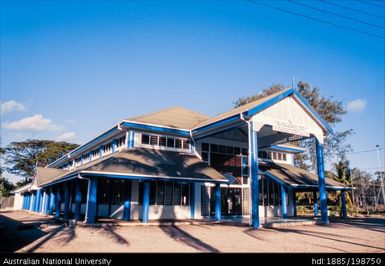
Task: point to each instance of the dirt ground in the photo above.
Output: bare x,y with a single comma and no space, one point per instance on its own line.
24,232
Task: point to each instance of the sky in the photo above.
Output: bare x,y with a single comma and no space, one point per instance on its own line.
70,70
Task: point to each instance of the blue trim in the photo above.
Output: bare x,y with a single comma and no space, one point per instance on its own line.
131,139
268,103
57,202
283,202
192,201
91,201
223,129
78,200
218,202
314,112
216,124
146,201
343,204
254,177
321,182
159,129
281,148
51,201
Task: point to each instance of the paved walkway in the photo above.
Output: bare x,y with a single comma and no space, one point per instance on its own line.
24,232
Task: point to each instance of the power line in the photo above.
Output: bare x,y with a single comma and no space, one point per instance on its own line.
336,14
368,3
364,151
317,19
352,9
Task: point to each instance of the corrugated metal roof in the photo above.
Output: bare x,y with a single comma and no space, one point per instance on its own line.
294,176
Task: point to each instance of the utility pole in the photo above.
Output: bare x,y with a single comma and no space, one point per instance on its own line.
380,173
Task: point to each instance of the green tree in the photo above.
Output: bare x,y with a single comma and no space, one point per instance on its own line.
328,108
23,157
5,187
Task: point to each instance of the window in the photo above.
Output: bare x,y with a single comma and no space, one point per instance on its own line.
185,144
95,153
178,144
245,152
274,156
145,139
154,140
214,148
205,157
107,147
121,141
171,142
205,147
162,141
269,156
284,157
229,150
279,156
222,149
237,151
166,193
160,193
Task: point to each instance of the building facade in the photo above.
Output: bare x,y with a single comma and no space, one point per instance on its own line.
179,164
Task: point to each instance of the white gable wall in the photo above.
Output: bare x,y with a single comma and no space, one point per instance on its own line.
289,111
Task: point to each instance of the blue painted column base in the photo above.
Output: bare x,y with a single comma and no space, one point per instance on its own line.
283,202
218,202
146,201
321,182
78,201
91,201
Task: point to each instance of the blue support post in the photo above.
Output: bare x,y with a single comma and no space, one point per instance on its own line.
130,139
78,201
24,199
46,200
343,203
32,203
51,201
192,201
321,182
39,204
66,201
218,202
253,153
91,201
127,206
146,201
283,202
57,202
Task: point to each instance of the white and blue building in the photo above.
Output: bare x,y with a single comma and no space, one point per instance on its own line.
179,164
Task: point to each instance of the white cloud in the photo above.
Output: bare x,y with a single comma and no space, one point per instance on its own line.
33,123
12,105
66,136
357,105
